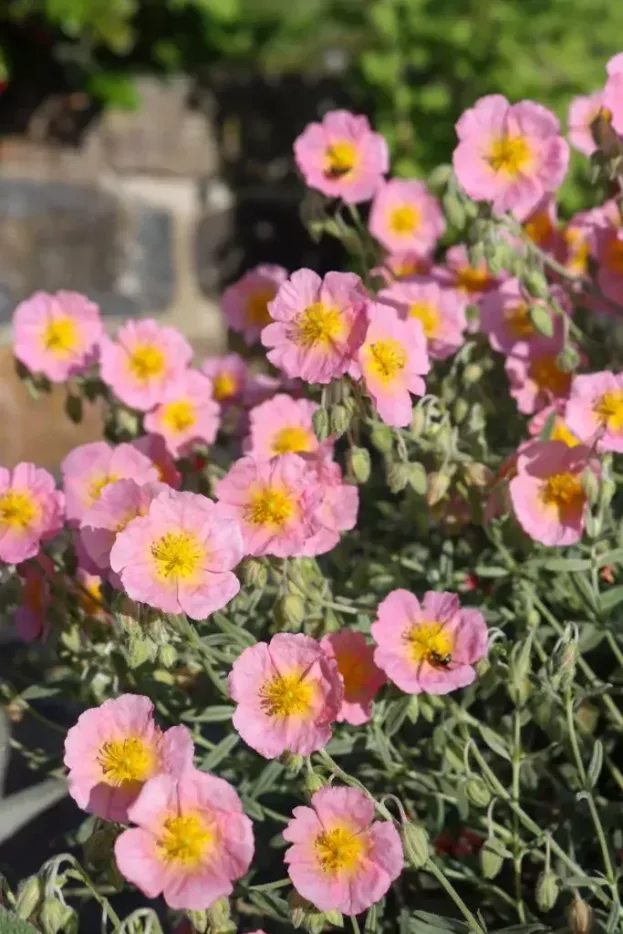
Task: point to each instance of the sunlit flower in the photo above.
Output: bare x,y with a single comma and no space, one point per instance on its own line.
274,502
228,375
609,248
341,858
432,646
404,264
56,335
505,316
337,512
36,576
536,378
191,843
547,493
594,411
553,418
509,154
245,303
115,748
458,273
440,311
288,693
154,447
31,511
179,557
613,93
342,157
541,224
405,216
583,110
89,468
361,676
318,325
187,413
282,425
142,361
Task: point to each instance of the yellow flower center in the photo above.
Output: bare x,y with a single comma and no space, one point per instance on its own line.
471,279
579,251
147,360
292,439
510,154
177,554
548,376
224,385
287,696
428,641
560,432
270,505
428,314
185,840
179,415
540,227
353,672
258,314
90,596
319,324
339,850
404,220
564,491
613,255
609,409
97,485
386,358
61,336
340,159
409,266
17,509
126,760
517,317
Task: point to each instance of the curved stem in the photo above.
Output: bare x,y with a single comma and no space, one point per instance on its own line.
443,880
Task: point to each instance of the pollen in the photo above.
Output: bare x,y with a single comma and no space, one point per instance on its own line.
60,336
339,850
428,315
146,361
126,760
471,279
429,641
517,317
561,432
186,840
319,325
510,154
17,509
386,358
288,695
224,385
564,491
97,485
340,159
177,555
258,314
609,409
292,439
404,220
270,506
548,376
180,415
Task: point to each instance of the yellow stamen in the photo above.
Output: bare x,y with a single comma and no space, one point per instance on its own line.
560,432
97,485
404,220
540,227
270,505
126,760
339,850
287,695
257,311
340,159
177,554
186,840
386,358
471,279
564,491
224,385
146,360
510,154
428,641
293,439
318,325
548,376
429,315
517,316
17,509
609,409
179,415
60,336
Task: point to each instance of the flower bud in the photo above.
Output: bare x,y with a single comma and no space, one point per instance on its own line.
547,889
340,419
167,656
590,485
303,912
418,422
580,916
219,919
568,359
313,783
290,611
382,437
478,475
141,650
253,573
492,856
536,283
472,373
293,762
477,792
454,210
397,477
29,895
320,420
359,463
460,410
438,484
54,916
198,920
415,842
418,480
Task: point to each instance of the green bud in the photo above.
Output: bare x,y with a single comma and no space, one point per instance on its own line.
453,209
580,916
417,478
568,359
303,912
29,895
478,475
141,650
167,656
536,283
418,422
382,437
219,918
460,410
608,489
590,484
313,783
340,419
398,477
293,762
476,254
438,485
199,920
415,841
477,792
492,856
290,611
547,889
54,916
360,464
541,320
253,573
320,419
334,917
472,373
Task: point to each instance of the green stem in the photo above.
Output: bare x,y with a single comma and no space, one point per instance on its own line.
516,765
445,883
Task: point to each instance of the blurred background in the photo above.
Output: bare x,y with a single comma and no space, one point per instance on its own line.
145,145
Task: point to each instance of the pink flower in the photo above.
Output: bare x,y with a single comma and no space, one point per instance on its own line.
341,858
406,217
583,110
282,425
609,247
402,265
509,154
473,282
179,557
594,410
187,414
547,493
505,317
536,379
288,694
115,748
559,429
440,311
613,93
361,677
393,359
119,503
245,303
91,467
56,335
192,840
342,157
88,589
338,511
143,360
541,224
31,511
154,447
228,375
30,616
274,502
430,647
318,325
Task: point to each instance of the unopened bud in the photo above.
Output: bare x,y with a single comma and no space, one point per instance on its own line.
54,915
541,319
167,656
198,920
293,762
397,477
359,463
590,484
29,895
322,427
382,437
219,919
418,480
290,611
547,888
438,485
418,422
477,792
568,359
460,410
478,475
340,419
492,856
580,916
453,209
253,573
536,283
141,650
313,783
472,373
415,841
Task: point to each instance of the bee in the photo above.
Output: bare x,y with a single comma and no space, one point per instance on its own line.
440,661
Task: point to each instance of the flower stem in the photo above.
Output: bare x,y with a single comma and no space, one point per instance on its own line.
445,883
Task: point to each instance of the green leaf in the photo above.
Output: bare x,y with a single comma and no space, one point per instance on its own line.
423,922
216,714
567,564
11,924
114,89
494,742
611,599
596,763
542,320
36,691
220,752
397,712
267,778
